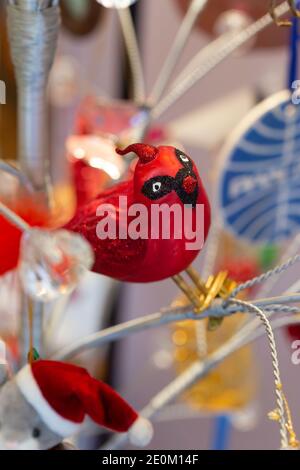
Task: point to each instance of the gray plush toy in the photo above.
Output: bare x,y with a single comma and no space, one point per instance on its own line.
48,401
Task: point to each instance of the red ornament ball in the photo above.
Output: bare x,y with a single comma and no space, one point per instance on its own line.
10,236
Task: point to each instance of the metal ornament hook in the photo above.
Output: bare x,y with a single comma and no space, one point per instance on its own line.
294,10
201,294
278,22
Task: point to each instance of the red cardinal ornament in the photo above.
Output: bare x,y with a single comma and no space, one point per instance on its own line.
162,176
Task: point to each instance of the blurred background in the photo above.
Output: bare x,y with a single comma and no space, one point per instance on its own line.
91,61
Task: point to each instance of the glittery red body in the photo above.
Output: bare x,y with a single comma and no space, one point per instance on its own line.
144,260
10,242
294,332
10,236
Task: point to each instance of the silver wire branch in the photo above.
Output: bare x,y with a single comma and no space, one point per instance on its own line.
194,373
122,330
281,308
154,320
211,56
155,407
133,52
33,29
179,411
165,317
13,218
291,295
280,299
181,39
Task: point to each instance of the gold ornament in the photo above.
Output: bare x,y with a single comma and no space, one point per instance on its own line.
229,387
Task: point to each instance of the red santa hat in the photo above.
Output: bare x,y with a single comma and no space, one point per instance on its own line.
64,394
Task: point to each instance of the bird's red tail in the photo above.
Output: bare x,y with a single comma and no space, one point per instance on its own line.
146,153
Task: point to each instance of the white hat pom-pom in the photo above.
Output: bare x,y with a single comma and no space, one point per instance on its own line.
141,432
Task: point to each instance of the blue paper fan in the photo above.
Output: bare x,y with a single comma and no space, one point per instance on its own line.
260,182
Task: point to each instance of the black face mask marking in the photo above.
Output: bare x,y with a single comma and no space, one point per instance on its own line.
186,198
159,186
184,159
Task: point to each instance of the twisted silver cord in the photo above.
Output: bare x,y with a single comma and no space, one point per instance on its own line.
281,308
279,398
265,276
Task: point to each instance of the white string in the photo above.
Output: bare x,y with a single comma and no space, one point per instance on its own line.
211,56
133,52
165,317
276,324
276,371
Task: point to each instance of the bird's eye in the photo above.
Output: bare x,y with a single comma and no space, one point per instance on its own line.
184,158
36,432
156,186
